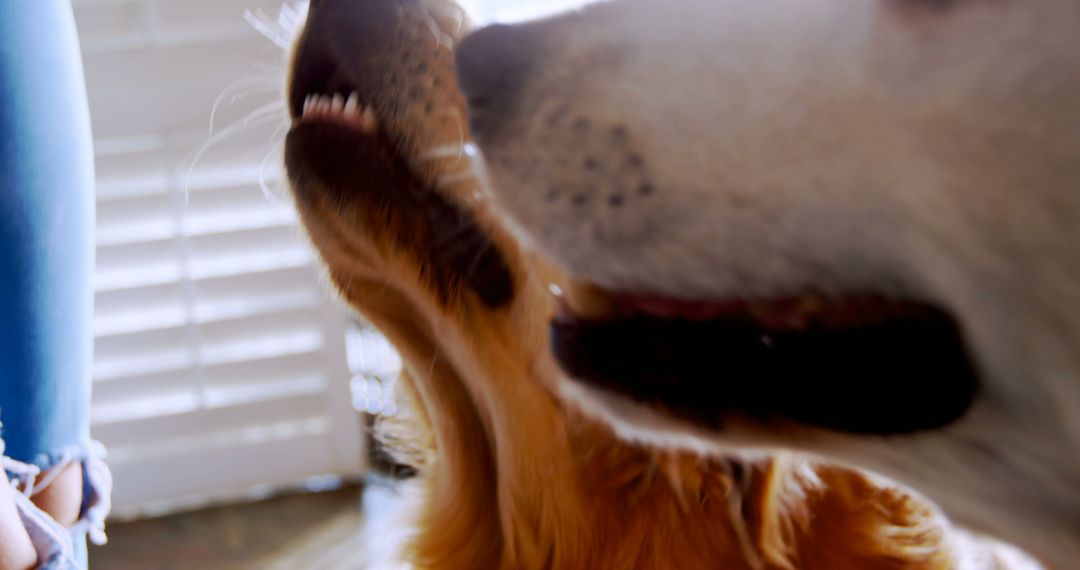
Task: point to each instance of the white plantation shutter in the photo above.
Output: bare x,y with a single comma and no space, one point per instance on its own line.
220,359
483,12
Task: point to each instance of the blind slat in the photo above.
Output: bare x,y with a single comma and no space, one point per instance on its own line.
174,392
161,484
158,430
219,362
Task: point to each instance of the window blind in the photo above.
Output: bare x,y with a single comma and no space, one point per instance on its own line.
220,363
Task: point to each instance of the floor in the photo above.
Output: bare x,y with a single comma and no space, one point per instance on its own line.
299,531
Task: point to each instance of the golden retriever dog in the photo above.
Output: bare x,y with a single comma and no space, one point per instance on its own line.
849,227
393,196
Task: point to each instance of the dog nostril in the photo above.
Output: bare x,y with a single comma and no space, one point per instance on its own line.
492,64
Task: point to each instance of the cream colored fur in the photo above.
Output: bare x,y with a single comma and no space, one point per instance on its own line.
928,149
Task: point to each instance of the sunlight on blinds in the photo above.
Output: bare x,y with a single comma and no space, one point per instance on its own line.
220,360
483,12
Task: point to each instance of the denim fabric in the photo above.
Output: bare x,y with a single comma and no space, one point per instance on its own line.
53,543
46,237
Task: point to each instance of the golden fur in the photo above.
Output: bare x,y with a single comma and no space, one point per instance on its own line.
509,476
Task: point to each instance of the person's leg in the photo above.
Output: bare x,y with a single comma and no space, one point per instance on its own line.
16,550
46,262
63,498
23,523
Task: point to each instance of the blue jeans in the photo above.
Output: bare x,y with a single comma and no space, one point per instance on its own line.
46,253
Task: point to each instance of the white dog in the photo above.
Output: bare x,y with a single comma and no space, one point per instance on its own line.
846,226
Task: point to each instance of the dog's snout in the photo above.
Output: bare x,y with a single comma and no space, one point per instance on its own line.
492,65
338,49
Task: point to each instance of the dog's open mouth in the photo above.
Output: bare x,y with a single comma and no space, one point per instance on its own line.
350,150
855,363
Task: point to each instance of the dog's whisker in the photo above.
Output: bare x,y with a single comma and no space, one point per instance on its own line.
279,30
271,68
444,9
291,15
273,109
241,89
272,194
265,26
259,117
441,39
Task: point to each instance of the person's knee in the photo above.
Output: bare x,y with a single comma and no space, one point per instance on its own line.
63,498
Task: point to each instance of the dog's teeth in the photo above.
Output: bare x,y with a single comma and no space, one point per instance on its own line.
368,119
338,106
352,105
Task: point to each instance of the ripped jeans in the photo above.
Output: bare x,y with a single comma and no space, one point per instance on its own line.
57,547
46,270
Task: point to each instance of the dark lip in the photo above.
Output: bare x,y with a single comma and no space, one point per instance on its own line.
903,370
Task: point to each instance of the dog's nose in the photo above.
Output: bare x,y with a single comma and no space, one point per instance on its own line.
493,64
